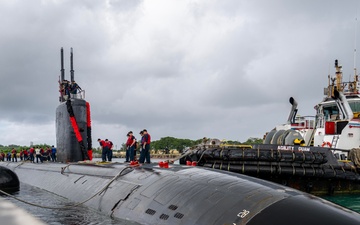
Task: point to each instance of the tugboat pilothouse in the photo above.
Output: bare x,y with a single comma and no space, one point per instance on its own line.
338,115
336,124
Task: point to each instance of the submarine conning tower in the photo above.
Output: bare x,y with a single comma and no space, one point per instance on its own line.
73,123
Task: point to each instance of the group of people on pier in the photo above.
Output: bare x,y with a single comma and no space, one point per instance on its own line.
41,155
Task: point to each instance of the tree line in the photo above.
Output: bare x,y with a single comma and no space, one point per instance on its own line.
167,143
8,148
162,144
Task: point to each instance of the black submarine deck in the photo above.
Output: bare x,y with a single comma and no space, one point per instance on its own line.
147,194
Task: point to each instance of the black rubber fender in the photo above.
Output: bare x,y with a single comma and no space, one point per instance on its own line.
9,181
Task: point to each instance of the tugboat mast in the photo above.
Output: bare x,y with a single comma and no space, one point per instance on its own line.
338,77
356,78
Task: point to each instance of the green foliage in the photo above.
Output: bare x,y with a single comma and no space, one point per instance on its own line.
123,147
233,142
253,140
180,144
96,150
164,143
8,148
172,143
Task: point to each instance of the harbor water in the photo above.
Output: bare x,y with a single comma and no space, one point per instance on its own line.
348,201
83,215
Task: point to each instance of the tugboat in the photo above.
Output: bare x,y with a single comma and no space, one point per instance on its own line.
337,120
317,154
335,126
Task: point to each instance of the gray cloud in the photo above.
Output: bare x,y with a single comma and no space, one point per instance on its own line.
187,69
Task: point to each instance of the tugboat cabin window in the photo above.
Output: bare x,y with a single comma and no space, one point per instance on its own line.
331,113
355,106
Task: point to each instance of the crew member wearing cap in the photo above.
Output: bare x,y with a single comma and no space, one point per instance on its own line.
103,149
74,87
142,158
66,85
145,145
127,157
110,152
130,144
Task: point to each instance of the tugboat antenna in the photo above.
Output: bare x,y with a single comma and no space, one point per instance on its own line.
355,86
355,46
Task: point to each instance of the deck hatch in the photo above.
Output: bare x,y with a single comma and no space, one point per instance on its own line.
179,215
150,211
164,217
173,207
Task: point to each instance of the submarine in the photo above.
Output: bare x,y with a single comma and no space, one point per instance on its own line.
174,194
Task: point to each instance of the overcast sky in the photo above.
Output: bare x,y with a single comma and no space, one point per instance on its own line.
187,69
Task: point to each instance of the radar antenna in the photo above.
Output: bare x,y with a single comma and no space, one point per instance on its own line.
356,77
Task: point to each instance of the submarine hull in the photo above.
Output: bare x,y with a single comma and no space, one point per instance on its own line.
181,195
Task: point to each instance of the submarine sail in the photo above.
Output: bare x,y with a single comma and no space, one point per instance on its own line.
73,133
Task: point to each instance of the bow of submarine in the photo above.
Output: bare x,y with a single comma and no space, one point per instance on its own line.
183,195
302,209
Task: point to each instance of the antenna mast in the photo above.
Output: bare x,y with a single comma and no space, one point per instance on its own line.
71,65
355,46
356,78
62,78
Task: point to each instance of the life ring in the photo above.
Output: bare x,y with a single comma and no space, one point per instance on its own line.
326,144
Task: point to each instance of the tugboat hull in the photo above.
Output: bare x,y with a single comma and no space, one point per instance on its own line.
310,169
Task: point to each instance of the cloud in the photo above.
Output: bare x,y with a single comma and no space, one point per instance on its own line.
188,69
